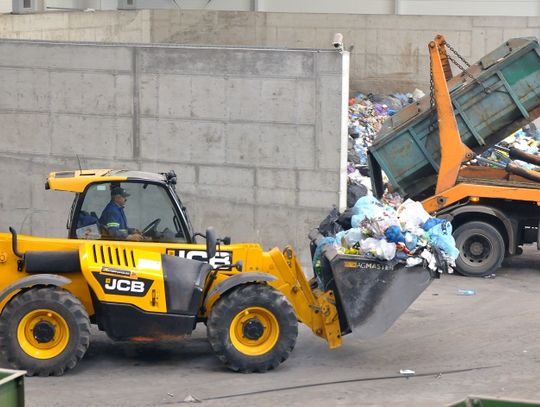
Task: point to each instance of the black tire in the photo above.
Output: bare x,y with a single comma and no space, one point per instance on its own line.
238,318
62,326
481,249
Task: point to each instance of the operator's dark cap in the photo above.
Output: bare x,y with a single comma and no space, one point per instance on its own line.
119,191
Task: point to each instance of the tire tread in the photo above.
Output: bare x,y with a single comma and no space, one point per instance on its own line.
8,340
228,306
493,233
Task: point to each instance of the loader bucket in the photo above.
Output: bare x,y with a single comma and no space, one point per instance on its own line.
371,294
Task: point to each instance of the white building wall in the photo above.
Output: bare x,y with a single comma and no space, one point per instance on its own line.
5,6
518,8
325,6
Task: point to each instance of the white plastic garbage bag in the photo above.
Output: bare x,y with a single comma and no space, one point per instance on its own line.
386,250
369,246
411,214
414,261
378,248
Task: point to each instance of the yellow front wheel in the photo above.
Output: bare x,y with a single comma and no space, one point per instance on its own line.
253,328
44,331
43,334
254,331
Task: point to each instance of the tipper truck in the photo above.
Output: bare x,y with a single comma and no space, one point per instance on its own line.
427,150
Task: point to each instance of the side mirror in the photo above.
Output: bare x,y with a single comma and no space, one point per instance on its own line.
211,242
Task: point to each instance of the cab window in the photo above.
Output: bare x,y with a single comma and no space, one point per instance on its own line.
128,211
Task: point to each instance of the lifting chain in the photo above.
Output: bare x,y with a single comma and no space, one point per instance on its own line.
458,55
456,63
463,69
431,98
431,85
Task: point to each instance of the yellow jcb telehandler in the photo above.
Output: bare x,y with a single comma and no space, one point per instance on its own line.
160,286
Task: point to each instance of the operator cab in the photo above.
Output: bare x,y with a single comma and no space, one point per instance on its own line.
151,209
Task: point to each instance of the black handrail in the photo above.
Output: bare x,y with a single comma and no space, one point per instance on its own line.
14,243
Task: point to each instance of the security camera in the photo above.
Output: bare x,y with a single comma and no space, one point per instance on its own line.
338,41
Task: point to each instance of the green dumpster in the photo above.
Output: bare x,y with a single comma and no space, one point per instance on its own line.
495,97
12,388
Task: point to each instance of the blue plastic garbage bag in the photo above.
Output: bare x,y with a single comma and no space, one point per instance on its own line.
428,224
356,220
411,241
317,256
368,206
339,237
353,236
323,242
440,236
362,156
394,234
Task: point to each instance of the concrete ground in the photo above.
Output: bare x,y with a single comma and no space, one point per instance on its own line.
486,344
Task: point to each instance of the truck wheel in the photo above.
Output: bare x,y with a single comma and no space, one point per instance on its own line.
44,331
252,329
481,249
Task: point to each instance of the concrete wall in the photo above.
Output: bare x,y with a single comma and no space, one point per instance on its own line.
255,136
104,26
388,53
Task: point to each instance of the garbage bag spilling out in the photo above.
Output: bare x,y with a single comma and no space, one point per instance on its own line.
391,230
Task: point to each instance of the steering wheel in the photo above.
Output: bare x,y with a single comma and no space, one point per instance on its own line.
150,229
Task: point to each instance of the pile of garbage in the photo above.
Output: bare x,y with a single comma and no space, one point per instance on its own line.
366,116
390,230
526,139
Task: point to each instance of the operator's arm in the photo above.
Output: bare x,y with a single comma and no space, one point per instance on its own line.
110,220
113,228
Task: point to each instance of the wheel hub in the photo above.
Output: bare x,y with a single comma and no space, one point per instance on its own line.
477,248
43,331
253,329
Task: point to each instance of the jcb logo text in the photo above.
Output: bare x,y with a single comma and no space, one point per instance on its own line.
113,284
